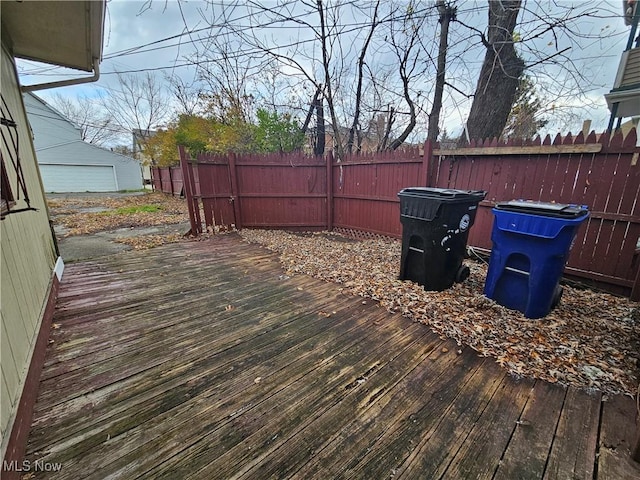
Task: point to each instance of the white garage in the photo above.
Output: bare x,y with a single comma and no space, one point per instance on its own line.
68,178
68,163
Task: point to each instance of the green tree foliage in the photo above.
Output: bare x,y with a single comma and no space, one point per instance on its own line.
272,133
525,119
193,132
161,149
277,133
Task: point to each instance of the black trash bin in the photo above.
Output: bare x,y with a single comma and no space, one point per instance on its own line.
435,228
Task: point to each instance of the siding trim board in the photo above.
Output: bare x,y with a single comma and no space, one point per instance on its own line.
17,442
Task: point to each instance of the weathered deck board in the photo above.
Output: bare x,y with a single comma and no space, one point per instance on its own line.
573,450
204,360
617,438
480,452
440,443
528,450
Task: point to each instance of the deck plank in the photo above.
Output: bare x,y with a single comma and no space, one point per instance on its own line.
188,372
449,430
528,451
205,360
222,405
288,455
479,454
617,437
379,455
259,430
574,445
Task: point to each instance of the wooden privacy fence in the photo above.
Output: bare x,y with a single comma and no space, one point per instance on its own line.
359,193
601,173
167,180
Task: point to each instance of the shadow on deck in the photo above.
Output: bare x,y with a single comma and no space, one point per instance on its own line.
203,360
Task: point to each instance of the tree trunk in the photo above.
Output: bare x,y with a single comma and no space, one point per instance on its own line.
318,148
355,126
337,139
499,76
447,14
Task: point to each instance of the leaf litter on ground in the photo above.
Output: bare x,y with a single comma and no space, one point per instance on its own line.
589,341
87,215
146,210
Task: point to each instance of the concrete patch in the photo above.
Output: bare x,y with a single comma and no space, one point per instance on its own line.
85,247
100,244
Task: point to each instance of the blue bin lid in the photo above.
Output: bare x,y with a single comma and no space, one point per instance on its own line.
443,194
545,209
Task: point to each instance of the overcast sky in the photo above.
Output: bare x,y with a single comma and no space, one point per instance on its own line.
132,27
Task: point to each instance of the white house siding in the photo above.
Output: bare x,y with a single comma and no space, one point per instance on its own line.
28,258
49,127
83,167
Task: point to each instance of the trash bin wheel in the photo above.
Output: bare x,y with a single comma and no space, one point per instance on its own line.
462,274
557,294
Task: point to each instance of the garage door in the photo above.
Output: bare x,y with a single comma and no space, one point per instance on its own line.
78,178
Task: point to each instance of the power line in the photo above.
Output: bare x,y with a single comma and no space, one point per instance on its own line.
239,29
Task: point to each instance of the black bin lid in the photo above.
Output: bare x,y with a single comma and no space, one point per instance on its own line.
443,194
545,209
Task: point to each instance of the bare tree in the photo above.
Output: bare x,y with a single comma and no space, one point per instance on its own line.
227,77
137,104
447,14
188,95
328,90
545,40
360,77
404,37
96,127
384,68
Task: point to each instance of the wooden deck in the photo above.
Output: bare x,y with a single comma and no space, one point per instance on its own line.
203,360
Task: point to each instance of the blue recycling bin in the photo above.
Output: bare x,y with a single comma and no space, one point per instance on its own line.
531,243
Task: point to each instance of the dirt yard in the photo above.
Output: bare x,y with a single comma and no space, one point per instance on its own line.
89,225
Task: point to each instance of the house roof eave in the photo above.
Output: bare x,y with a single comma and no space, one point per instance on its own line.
67,34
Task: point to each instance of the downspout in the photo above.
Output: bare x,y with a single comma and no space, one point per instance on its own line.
66,83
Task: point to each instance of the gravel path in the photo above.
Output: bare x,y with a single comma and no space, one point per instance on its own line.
590,340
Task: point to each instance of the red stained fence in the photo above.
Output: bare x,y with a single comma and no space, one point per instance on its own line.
359,193
603,175
167,180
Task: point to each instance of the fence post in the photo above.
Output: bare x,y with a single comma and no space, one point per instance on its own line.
329,158
235,194
192,203
171,180
427,164
196,195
